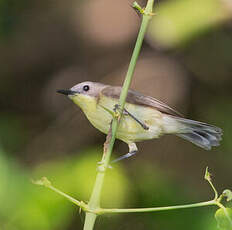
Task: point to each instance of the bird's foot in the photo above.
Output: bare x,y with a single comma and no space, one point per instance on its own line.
132,153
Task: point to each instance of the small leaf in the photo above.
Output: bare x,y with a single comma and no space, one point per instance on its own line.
224,218
228,194
207,174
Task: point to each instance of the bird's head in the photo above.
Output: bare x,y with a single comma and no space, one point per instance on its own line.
84,92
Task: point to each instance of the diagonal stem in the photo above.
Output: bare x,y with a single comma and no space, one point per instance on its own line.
94,202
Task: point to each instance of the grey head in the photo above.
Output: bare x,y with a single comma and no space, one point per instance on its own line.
88,88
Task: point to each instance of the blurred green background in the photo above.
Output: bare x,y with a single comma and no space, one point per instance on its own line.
186,61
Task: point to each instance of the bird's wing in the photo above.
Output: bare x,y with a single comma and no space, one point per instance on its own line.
137,98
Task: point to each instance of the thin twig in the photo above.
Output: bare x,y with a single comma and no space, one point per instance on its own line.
155,209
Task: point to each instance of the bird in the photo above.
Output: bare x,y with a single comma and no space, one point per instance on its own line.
143,117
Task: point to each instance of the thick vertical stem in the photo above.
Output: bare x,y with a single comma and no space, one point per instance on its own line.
96,193
89,221
131,68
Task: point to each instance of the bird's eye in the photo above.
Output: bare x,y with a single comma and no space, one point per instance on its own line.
86,88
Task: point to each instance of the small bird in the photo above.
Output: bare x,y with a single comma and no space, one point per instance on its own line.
143,117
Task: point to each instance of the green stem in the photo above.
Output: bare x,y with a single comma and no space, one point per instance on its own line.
94,202
214,189
146,17
46,183
74,201
155,209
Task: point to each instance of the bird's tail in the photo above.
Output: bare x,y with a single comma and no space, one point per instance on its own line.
199,133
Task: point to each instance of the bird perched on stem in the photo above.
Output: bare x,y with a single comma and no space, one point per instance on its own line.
143,118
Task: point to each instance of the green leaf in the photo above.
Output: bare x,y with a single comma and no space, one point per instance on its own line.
224,218
228,194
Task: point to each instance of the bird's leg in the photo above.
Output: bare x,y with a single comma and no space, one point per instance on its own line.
136,119
125,112
132,151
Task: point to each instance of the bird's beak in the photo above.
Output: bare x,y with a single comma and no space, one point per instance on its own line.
66,92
